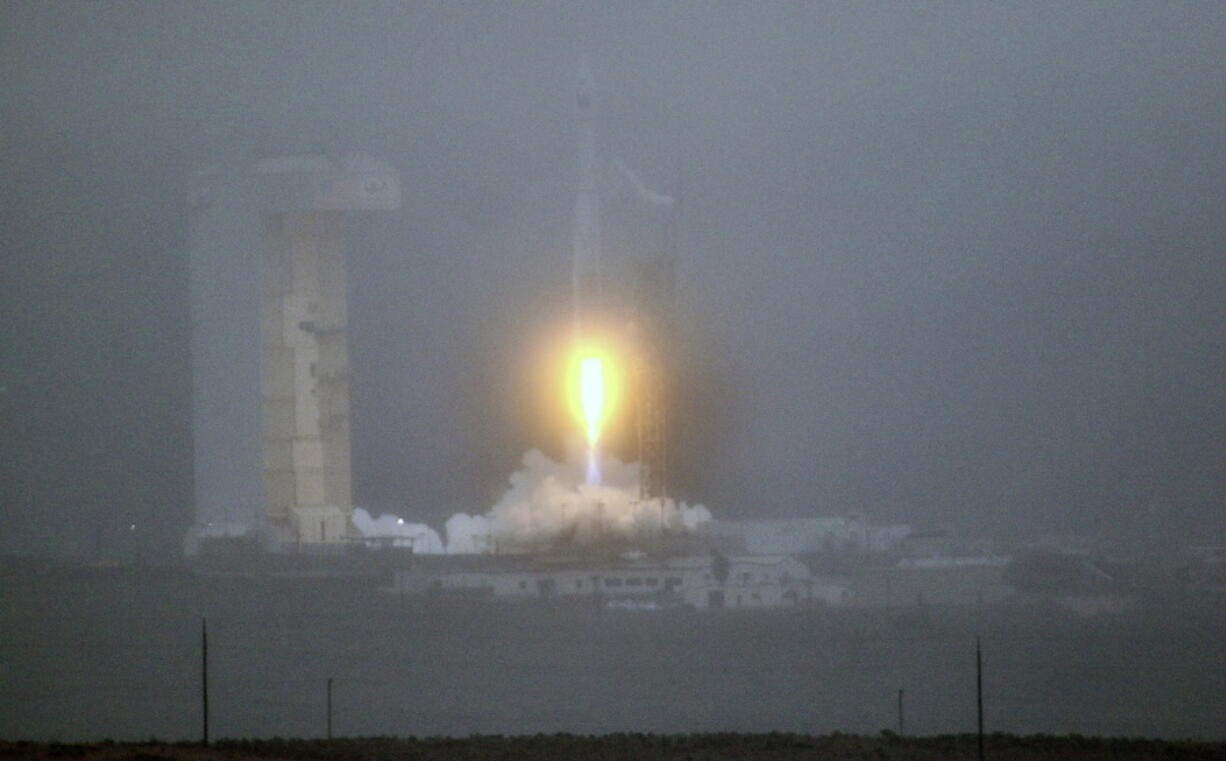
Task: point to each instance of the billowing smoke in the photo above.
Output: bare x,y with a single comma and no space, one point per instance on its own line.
398,532
549,506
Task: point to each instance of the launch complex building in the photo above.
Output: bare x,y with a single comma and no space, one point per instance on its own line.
270,364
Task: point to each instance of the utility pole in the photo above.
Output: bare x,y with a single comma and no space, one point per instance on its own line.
979,691
204,675
329,708
902,727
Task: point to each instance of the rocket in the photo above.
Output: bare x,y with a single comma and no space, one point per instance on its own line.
588,291
601,322
586,241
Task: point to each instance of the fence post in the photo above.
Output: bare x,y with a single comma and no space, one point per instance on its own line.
979,691
902,726
204,677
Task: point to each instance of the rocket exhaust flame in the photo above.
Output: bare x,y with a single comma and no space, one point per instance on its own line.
592,401
591,392
592,385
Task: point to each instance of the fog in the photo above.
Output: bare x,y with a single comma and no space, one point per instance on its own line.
976,250
941,264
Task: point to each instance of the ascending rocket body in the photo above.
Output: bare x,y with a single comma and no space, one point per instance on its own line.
601,314
588,292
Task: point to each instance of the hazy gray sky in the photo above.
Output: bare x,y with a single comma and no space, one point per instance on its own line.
938,261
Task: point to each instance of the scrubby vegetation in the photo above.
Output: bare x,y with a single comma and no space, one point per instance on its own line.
639,747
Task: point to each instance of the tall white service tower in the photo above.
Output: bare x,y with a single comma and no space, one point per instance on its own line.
270,365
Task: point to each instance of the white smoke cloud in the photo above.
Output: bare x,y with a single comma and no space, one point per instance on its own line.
548,505
398,532
468,534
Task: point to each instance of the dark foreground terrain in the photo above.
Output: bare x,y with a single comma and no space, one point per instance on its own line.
638,746
90,657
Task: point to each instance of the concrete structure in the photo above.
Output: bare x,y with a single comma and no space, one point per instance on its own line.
270,366
699,582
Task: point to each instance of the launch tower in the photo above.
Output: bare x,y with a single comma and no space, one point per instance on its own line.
270,365
655,285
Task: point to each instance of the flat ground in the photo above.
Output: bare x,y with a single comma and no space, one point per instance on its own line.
716,747
83,659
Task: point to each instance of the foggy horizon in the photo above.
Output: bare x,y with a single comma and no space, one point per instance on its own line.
947,263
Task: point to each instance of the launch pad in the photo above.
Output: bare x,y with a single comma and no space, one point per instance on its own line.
270,360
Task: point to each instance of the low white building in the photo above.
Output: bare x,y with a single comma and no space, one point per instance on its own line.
755,581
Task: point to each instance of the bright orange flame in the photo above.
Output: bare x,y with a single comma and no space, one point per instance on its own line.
593,389
592,396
